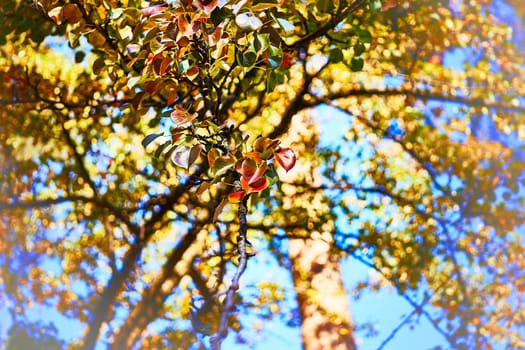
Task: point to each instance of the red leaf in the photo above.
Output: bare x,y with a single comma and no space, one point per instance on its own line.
285,157
172,96
286,61
207,5
259,173
153,10
165,65
187,28
388,4
249,170
135,102
152,87
257,186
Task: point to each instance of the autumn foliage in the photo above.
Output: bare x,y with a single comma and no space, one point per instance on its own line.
153,154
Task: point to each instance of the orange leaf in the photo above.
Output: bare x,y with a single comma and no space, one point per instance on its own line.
181,116
71,13
236,197
256,156
262,144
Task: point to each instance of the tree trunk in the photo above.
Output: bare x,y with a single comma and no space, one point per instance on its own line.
323,305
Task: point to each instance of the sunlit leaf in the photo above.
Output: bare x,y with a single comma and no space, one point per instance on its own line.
285,25
248,22
153,10
180,116
236,197
181,156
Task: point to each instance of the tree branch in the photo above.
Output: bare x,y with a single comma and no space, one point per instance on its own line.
420,94
155,295
243,261
418,307
43,203
341,15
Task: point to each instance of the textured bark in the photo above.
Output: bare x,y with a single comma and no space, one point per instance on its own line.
322,300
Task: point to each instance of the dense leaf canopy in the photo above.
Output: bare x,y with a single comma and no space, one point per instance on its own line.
135,134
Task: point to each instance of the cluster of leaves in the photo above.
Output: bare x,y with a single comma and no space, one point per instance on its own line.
188,56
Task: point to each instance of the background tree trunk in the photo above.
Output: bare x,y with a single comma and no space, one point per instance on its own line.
322,299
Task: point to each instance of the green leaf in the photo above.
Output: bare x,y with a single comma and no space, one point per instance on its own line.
260,42
359,48
150,138
324,5
246,59
219,14
161,149
336,55
276,56
116,13
261,5
151,34
195,151
356,64
275,78
275,51
363,35
222,164
374,5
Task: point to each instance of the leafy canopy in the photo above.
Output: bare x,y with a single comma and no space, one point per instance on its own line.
130,159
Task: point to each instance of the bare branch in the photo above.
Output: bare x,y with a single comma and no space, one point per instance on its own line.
421,94
43,203
418,307
243,261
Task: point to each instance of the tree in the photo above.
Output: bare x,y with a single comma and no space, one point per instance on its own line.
138,164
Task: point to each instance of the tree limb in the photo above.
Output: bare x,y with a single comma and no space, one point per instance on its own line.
243,261
43,203
341,15
421,94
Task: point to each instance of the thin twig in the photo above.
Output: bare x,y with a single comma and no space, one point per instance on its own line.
243,261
